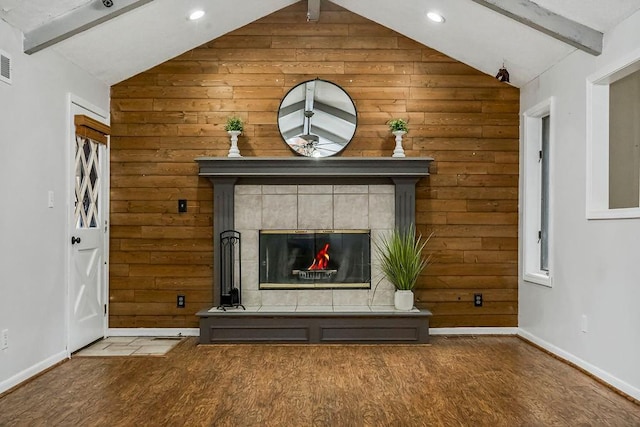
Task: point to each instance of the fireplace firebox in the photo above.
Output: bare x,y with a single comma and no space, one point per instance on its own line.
315,259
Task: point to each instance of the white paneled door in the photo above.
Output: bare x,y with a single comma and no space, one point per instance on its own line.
87,269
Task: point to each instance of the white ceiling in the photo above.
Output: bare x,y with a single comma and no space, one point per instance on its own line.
29,14
158,31
597,14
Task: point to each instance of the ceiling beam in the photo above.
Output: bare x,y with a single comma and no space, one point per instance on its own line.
313,10
543,20
75,22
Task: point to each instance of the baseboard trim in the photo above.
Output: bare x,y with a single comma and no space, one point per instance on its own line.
473,331
153,332
615,383
32,371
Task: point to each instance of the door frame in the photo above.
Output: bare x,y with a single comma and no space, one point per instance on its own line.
103,116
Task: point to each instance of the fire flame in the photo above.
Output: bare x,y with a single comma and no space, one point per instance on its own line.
321,261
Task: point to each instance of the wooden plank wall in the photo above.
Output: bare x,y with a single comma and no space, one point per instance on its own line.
165,117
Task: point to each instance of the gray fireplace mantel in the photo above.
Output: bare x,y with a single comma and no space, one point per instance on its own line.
305,167
227,172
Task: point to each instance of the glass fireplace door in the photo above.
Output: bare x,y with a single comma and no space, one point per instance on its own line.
315,259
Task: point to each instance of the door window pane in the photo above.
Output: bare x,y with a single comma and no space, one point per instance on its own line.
87,183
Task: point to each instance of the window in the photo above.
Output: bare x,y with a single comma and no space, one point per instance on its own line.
538,141
613,141
624,142
544,194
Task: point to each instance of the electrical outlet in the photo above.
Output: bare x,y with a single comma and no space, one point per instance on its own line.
181,301
4,339
477,300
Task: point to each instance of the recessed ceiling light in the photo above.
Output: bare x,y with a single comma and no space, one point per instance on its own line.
196,15
435,17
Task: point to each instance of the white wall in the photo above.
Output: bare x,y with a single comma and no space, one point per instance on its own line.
596,262
33,238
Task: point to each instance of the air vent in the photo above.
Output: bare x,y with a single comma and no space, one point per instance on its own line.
5,67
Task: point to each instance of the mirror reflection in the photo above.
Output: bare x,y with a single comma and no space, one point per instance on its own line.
317,118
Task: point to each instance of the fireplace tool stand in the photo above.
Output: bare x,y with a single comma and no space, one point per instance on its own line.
230,271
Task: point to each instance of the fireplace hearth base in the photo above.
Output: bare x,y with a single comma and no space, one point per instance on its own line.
371,327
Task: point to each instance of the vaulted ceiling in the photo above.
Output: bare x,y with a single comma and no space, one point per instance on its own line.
149,32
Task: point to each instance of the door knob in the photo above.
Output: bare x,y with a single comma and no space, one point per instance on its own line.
75,240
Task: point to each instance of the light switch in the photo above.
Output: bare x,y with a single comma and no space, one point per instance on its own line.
50,199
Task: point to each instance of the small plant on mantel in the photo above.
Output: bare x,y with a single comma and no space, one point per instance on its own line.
234,128
234,124
396,125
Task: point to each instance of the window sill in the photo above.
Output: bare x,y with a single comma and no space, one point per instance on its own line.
624,213
538,279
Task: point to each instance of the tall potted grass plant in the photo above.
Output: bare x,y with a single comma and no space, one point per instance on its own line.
401,262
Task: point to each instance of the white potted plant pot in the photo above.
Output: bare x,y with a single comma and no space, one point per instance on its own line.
234,151
403,300
401,262
398,151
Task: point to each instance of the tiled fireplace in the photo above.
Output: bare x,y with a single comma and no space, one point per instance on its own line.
312,207
317,195
273,211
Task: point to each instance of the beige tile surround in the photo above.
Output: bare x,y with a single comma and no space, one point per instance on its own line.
272,207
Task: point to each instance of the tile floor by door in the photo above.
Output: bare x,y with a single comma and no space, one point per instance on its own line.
130,346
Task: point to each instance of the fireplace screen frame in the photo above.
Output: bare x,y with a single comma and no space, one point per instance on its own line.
314,279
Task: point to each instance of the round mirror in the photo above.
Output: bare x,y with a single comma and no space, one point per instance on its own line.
317,118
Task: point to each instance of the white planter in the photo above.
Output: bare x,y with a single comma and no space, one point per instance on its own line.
233,151
398,151
403,300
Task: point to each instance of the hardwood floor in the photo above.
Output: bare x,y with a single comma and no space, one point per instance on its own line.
498,381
